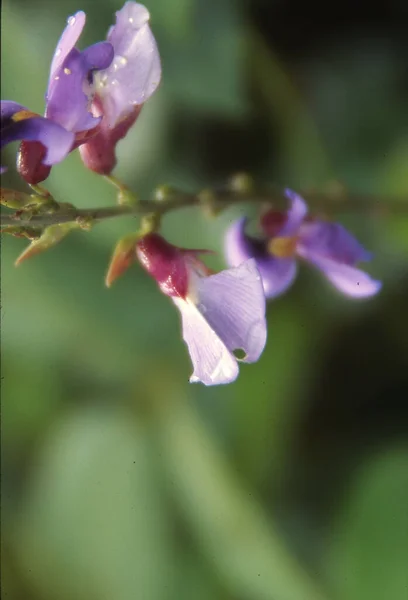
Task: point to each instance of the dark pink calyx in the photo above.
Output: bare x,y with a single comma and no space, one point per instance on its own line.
98,153
166,263
272,222
30,162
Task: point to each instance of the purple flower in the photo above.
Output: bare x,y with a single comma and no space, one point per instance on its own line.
220,313
122,89
67,122
77,109
290,235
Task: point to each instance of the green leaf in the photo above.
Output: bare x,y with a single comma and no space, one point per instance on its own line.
94,517
225,518
369,554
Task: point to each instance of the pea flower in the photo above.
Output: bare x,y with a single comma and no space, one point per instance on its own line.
121,90
221,313
291,235
74,89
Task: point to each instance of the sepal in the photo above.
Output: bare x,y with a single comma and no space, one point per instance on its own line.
123,257
49,237
15,199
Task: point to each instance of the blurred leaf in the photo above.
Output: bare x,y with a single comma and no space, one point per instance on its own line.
304,159
95,512
227,521
202,68
268,402
27,401
369,555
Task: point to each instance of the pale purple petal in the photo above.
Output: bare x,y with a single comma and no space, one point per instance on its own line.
233,303
135,71
295,214
67,41
238,246
277,273
213,363
347,279
223,313
331,240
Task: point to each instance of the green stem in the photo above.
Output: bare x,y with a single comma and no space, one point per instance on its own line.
329,203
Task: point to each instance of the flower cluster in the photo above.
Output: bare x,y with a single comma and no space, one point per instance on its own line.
94,97
289,235
225,312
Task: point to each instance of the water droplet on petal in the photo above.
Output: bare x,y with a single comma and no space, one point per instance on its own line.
71,20
58,52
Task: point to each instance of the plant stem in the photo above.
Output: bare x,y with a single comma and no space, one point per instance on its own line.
215,201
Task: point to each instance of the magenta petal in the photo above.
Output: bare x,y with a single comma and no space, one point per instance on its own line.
295,214
223,313
135,71
67,41
348,280
331,240
57,140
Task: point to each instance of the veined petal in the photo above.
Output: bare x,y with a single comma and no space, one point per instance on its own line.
277,273
67,41
223,313
331,240
57,140
67,102
212,361
347,279
233,304
295,215
135,71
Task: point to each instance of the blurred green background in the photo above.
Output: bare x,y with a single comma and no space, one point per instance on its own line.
120,480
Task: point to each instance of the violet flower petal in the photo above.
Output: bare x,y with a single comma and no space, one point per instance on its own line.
347,279
57,140
135,71
332,240
295,214
238,246
67,41
213,363
277,273
8,109
67,102
223,313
